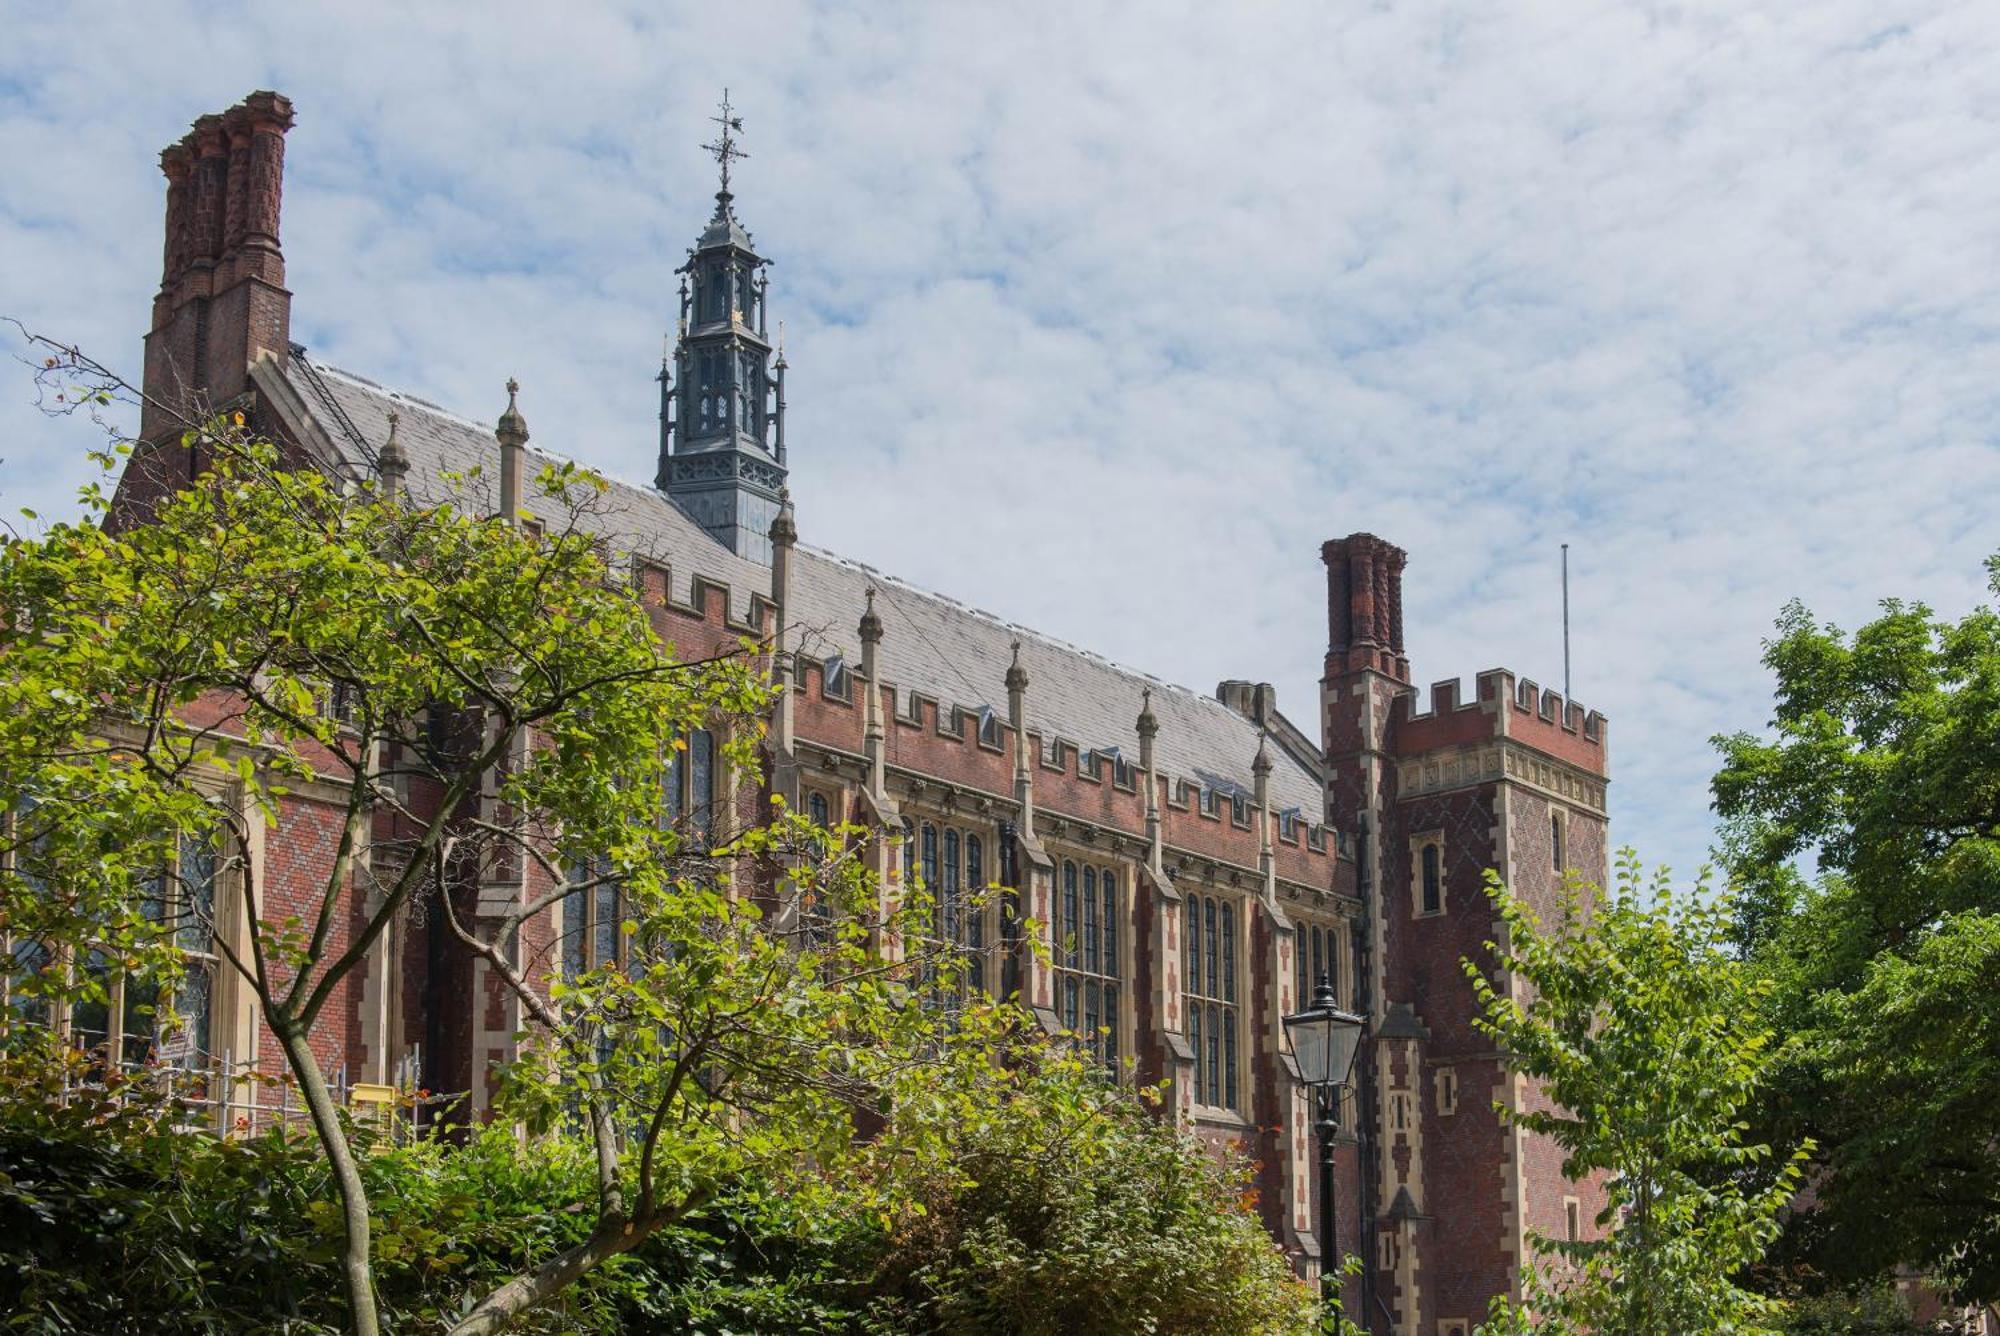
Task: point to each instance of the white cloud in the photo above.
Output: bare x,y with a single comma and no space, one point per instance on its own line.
1103,317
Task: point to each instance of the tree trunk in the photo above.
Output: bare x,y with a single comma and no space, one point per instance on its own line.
356,1272
497,1311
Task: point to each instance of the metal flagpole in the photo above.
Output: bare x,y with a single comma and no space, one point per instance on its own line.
1566,693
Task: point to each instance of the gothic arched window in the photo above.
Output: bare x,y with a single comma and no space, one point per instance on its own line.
950,895
1066,944
687,783
591,918
701,781
126,1023
1316,957
1211,998
1087,962
975,917
715,293
952,864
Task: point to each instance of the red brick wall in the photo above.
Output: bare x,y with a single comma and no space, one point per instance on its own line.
299,850
1536,879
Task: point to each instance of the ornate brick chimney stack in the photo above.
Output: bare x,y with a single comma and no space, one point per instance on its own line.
222,294
1364,606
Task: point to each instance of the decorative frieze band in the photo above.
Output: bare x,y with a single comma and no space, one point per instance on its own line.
1501,759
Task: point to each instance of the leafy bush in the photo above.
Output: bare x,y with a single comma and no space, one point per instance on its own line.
114,1218
1120,1224
1875,1312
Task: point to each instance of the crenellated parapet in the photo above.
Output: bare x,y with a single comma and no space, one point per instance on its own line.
1504,707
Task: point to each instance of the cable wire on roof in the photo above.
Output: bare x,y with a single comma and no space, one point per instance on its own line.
977,696
332,405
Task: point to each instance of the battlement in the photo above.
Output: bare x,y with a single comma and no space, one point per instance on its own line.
1503,706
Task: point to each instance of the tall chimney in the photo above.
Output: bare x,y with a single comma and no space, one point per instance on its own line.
1364,606
222,297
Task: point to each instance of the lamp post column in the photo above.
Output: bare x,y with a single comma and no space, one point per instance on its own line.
1329,1219
1323,1039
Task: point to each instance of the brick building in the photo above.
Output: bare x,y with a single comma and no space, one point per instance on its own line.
1201,858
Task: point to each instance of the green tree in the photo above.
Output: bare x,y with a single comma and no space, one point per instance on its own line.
270,630
1633,1015
1881,769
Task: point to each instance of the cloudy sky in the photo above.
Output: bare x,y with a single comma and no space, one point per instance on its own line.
1103,317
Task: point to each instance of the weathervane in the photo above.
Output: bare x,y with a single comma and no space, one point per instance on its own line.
724,148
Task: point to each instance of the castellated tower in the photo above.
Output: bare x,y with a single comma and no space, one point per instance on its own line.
1513,779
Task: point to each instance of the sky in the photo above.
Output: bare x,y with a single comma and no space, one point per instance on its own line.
1103,317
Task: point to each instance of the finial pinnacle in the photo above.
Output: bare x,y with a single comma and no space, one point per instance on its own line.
390,461
784,529
390,457
871,621
724,148
512,428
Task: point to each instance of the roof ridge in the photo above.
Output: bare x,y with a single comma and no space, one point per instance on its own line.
355,378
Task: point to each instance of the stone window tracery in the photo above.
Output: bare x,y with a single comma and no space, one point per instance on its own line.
593,915
687,788
1209,971
1316,951
952,863
129,1024
1088,974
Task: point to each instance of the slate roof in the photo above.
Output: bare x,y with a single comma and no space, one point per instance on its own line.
931,644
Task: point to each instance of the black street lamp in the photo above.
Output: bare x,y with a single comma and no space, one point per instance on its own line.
1324,1039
